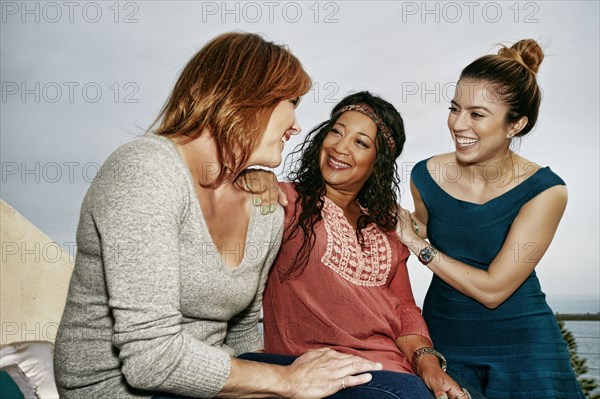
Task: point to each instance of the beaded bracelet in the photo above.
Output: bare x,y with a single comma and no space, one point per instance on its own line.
425,350
415,226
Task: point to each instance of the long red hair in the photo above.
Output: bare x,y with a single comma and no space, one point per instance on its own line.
231,87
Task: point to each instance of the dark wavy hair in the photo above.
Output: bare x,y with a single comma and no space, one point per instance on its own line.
379,195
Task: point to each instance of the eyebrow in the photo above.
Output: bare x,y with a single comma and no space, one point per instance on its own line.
473,107
361,133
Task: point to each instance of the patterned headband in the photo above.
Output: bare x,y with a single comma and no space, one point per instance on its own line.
375,118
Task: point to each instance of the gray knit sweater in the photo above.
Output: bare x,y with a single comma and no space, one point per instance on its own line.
151,306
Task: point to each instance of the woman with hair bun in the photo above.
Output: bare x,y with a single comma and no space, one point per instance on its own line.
489,219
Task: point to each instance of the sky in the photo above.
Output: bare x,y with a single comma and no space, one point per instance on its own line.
81,78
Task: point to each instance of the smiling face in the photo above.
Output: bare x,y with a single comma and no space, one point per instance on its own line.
477,123
282,125
348,152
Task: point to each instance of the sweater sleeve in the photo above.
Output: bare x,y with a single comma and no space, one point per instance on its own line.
139,200
242,332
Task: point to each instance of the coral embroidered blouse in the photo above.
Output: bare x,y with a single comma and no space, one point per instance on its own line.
353,300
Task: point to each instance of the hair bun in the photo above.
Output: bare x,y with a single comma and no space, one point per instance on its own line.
526,52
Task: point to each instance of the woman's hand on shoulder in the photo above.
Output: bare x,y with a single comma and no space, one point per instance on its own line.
265,190
323,372
405,229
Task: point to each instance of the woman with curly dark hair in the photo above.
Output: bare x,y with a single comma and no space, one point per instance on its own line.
340,279
377,193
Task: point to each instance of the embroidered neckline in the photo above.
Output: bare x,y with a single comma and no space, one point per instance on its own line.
344,255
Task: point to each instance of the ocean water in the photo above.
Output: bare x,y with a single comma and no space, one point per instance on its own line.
586,333
574,304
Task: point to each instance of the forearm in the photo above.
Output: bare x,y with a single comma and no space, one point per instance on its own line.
248,379
428,366
419,226
528,238
316,374
409,344
475,283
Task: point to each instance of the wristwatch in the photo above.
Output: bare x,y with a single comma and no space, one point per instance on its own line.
427,254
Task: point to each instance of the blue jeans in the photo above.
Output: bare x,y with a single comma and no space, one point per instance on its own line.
384,384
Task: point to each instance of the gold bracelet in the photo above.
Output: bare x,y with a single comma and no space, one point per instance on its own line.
415,226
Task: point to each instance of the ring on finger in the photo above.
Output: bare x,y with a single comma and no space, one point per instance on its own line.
344,383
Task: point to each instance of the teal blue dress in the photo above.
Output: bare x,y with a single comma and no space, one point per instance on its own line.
515,351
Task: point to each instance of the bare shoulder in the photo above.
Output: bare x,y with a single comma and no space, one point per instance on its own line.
440,159
440,163
555,195
551,201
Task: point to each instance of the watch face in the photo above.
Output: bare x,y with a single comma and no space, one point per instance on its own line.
427,254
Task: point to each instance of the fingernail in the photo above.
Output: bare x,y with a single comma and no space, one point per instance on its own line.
272,208
264,209
443,396
257,201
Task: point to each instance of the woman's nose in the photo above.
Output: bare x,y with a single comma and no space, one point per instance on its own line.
460,122
296,128
341,146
